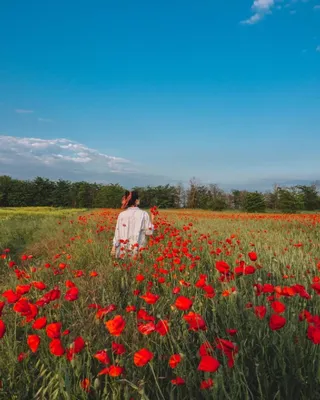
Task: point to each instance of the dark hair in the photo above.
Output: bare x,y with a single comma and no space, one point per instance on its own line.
129,199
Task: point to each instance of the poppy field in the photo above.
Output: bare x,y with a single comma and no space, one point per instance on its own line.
217,306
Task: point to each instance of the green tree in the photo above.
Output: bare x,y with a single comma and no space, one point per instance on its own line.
42,192
85,194
62,194
288,201
310,197
217,198
254,202
108,196
5,188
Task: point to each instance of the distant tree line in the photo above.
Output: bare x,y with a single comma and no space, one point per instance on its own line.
62,193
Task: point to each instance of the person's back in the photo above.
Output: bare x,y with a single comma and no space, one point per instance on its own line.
133,225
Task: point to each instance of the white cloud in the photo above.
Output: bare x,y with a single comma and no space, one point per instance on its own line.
23,111
318,49
25,158
262,5
253,20
259,8
58,153
44,120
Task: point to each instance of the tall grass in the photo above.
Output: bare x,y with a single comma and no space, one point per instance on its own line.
282,364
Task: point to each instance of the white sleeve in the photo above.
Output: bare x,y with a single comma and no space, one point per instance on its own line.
148,226
116,238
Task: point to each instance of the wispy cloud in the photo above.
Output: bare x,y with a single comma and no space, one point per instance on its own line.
259,8
45,120
23,111
318,49
317,7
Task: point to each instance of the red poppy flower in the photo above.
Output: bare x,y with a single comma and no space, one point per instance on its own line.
118,348
115,371
210,292
174,360
195,321
22,356
33,342
183,303
116,325
22,307
278,307
23,289
102,356
260,311
142,357
104,371
249,270
162,327
70,354
146,329
201,282
2,304
228,348
130,309
253,256
78,345
26,309
205,349
206,384
222,267
178,381
54,330
11,296
313,334
150,298
277,322
239,270
316,287
268,288
72,294
143,314
85,384
39,285
208,364
176,290
56,348
105,310
2,329
305,314
40,323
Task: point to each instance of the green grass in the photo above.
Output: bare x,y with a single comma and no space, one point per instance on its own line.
281,364
8,212
20,227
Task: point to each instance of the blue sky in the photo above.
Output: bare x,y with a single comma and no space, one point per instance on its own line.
152,92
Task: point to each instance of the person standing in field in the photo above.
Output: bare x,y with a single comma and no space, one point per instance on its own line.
133,225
